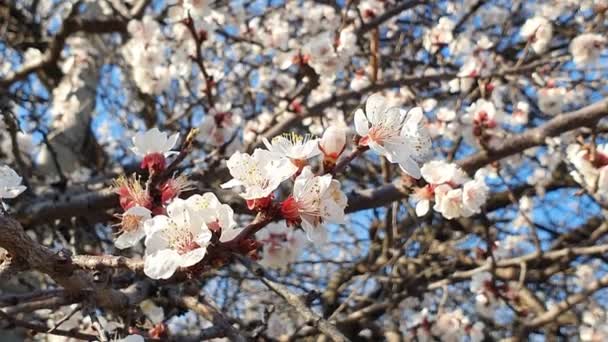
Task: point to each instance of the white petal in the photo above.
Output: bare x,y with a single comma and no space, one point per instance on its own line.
129,239
170,143
380,150
203,237
361,123
231,184
409,166
316,234
229,234
161,264
13,191
375,107
193,257
422,207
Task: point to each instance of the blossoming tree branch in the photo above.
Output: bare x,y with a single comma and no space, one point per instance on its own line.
370,170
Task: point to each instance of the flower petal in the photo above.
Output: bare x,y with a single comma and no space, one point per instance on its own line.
375,107
422,207
161,264
129,239
361,123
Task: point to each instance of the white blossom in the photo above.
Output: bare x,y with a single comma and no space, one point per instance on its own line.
132,226
178,239
294,147
282,245
154,141
333,140
439,35
316,200
392,132
260,174
217,216
552,100
586,48
540,31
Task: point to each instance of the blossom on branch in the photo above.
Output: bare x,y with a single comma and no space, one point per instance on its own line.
154,146
132,226
332,145
439,35
217,216
296,148
176,240
282,245
538,31
316,200
398,135
587,48
454,194
260,173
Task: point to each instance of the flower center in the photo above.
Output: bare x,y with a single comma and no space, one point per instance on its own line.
180,239
130,223
379,134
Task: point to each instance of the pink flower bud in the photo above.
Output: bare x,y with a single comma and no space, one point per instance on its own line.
333,142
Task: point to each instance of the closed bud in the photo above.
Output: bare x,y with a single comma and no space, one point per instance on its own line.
332,145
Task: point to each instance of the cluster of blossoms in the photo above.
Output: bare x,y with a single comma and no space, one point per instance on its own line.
454,193
424,325
178,231
316,199
145,52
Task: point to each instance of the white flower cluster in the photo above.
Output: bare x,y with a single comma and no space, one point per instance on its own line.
316,199
179,237
454,325
178,231
145,52
454,193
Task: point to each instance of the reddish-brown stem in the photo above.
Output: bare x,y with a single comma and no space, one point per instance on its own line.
263,219
343,163
198,59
